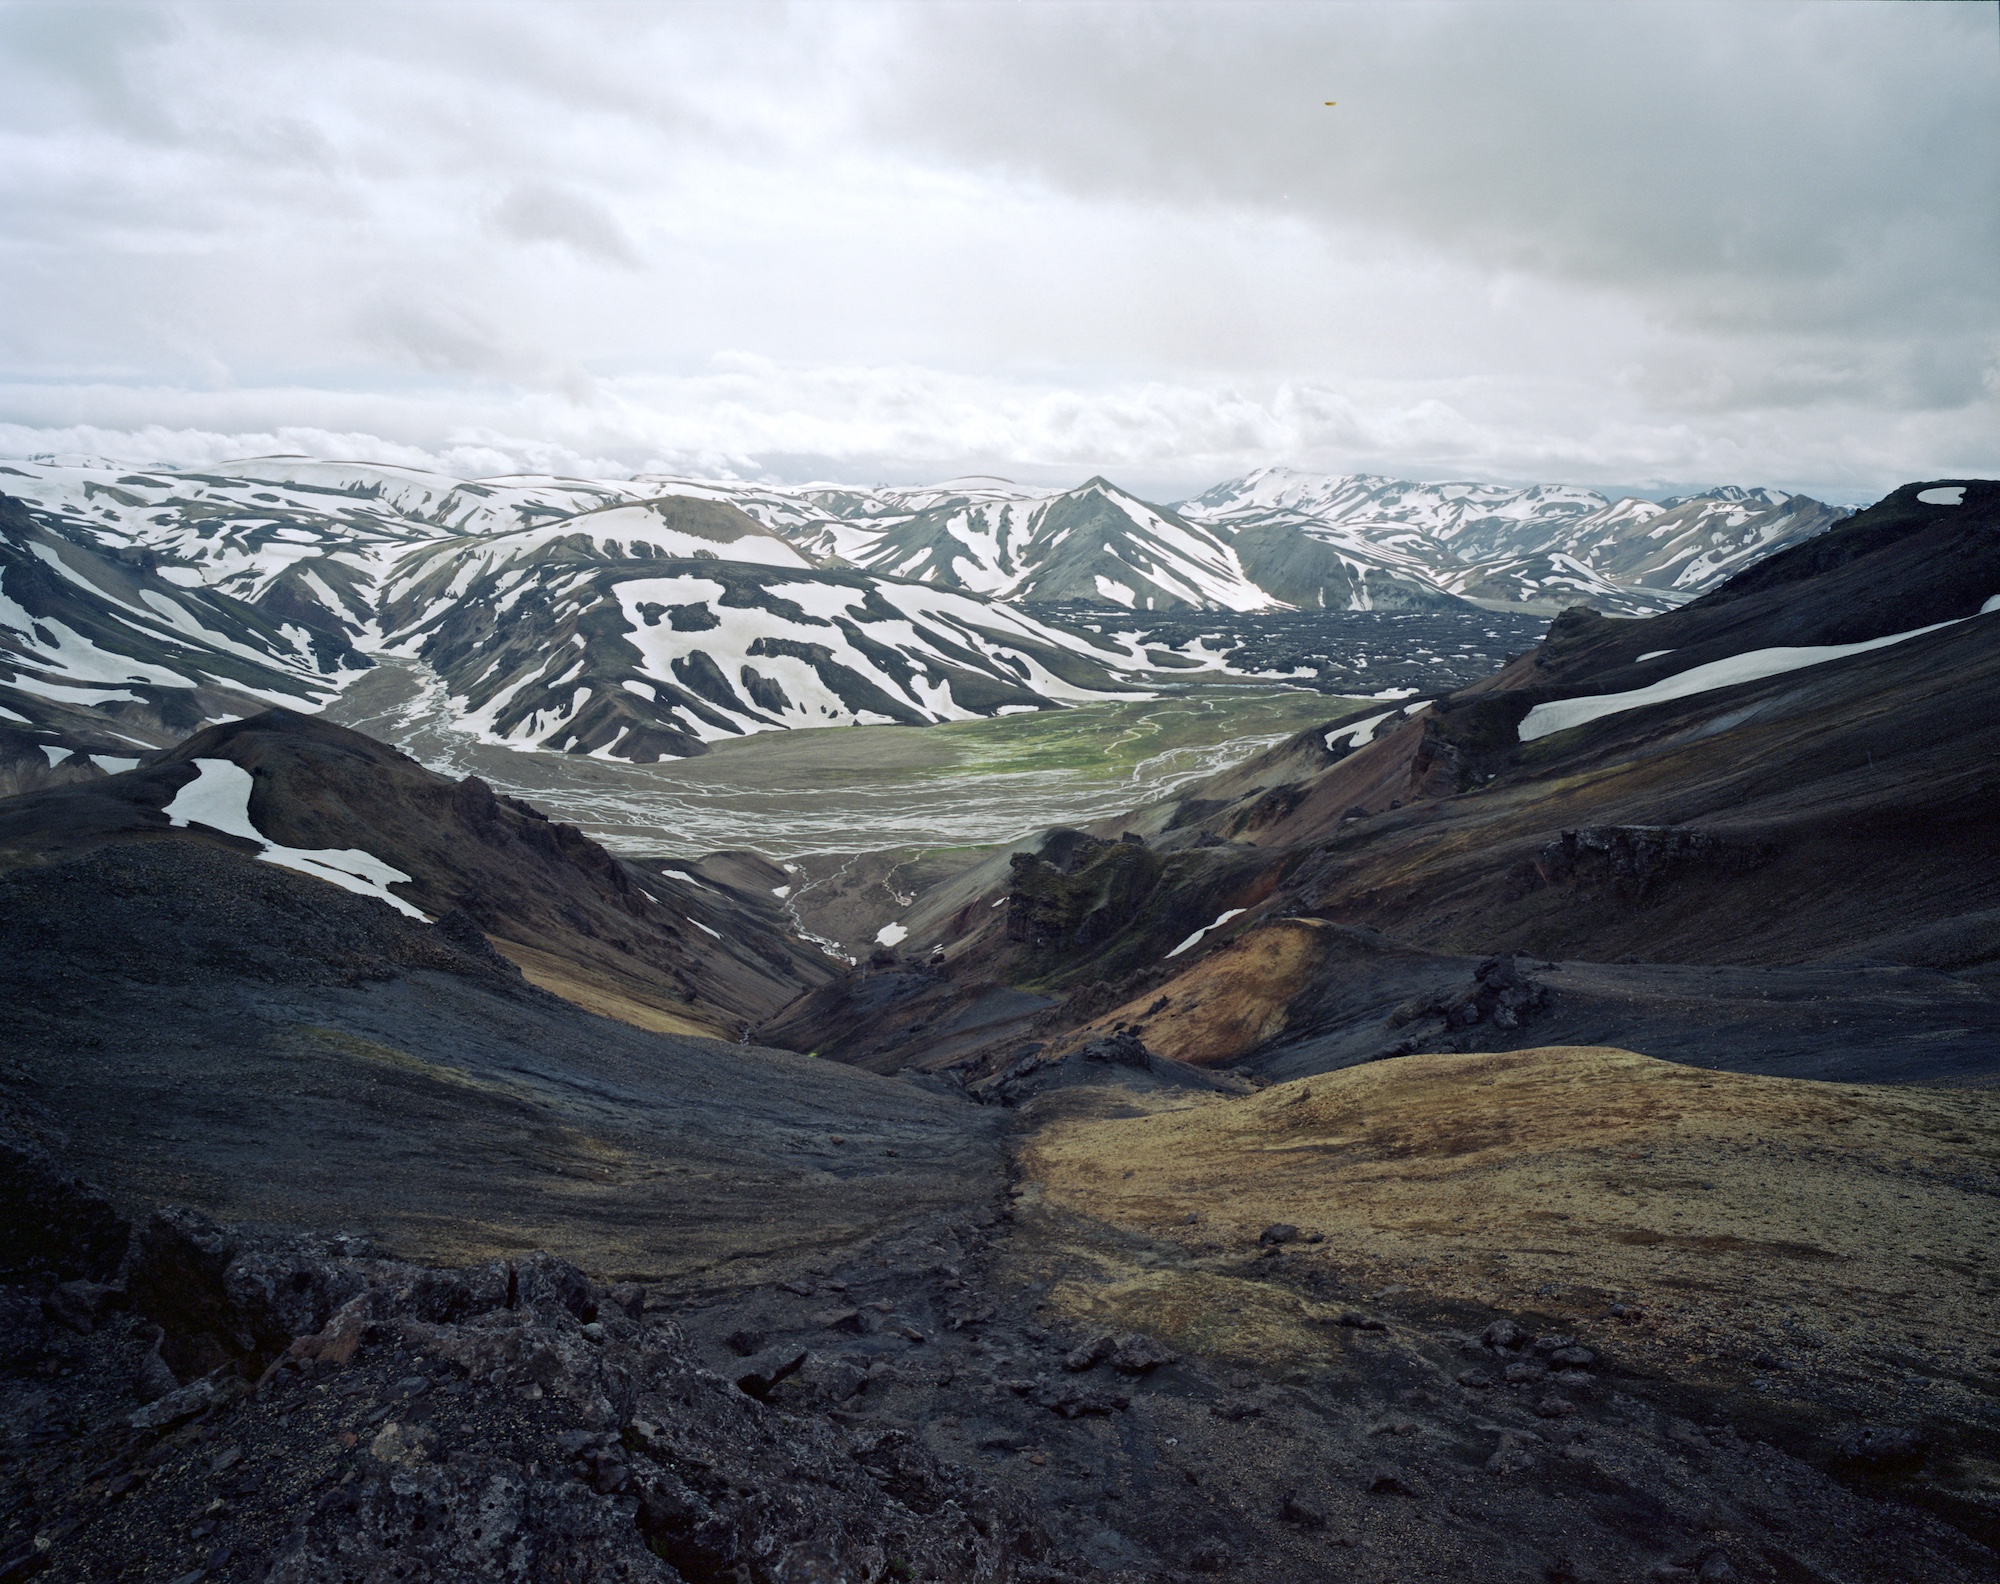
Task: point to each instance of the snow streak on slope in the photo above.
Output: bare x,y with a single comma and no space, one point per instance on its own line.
1752,666
512,587
301,533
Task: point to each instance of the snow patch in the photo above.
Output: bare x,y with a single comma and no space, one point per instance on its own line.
892,934
1195,939
1944,495
219,797
1652,654
1752,666
1357,734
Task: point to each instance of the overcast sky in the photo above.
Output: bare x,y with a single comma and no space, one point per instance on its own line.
1599,243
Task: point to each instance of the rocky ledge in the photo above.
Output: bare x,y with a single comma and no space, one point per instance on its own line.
211,1404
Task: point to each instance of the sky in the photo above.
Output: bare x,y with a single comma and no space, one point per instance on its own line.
1630,245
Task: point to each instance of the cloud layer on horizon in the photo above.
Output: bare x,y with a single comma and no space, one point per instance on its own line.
1634,244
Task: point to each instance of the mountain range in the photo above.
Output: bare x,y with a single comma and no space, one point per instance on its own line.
1546,546
1542,1131
648,617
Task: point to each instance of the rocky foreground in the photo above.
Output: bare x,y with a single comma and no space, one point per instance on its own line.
1072,1378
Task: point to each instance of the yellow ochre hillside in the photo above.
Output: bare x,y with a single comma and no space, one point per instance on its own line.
1558,1181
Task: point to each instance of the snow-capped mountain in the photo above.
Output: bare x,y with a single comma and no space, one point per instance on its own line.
653,615
1095,542
644,659
638,618
1689,543
102,659
1542,544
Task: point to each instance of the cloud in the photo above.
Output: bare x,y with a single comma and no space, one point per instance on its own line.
1772,163
548,212
747,416
1681,242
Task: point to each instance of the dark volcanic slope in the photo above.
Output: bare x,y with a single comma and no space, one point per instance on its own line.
580,922
186,1023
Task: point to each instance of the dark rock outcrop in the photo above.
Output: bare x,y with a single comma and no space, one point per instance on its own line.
368,1419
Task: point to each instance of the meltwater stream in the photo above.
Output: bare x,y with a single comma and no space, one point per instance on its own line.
789,794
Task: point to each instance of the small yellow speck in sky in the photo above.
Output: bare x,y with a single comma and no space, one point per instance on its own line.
1331,103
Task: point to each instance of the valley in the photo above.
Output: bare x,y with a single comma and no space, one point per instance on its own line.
791,794
1271,1085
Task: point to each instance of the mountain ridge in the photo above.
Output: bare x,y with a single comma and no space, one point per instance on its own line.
1530,544
277,579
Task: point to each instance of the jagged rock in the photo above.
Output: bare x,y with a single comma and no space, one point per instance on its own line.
834,1379
1500,995
1137,1355
1073,1399
1088,1355
182,1404
1078,890
1301,1510
614,1445
1122,1049
1515,1453
1647,854
1716,1568
408,1445
53,1224
758,1375
81,1305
